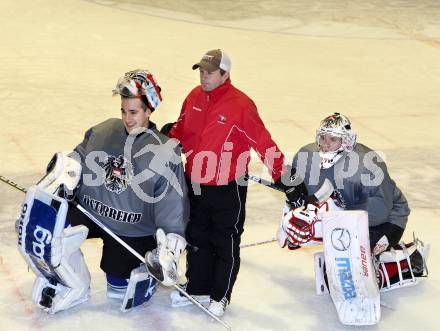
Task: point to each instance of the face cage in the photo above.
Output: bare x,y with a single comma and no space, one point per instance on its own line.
348,139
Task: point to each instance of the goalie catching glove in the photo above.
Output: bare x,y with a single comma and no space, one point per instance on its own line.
163,261
63,174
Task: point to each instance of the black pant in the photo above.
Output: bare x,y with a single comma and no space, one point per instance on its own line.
116,260
214,232
392,232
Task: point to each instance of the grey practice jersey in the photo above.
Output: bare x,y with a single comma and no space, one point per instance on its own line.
133,183
361,177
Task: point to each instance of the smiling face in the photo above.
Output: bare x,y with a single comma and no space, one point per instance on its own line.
211,80
134,114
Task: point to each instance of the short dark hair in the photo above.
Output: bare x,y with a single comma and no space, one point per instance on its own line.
222,72
144,104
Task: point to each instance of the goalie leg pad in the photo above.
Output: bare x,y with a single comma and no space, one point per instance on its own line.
51,249
349,267
141,288
52,296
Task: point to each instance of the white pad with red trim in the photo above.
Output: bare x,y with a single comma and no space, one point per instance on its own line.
350,272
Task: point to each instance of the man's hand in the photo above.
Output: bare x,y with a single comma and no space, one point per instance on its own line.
167,128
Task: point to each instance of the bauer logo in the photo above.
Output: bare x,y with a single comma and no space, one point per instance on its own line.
341,239
364,261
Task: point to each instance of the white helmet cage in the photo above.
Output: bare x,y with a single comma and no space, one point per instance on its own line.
338,125
140,83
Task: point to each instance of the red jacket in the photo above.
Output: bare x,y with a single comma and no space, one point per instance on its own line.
217,130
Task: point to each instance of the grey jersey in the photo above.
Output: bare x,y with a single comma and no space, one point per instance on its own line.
361,177
133,184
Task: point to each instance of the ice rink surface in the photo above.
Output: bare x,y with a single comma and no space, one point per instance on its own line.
376,61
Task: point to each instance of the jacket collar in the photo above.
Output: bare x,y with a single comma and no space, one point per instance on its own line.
218,92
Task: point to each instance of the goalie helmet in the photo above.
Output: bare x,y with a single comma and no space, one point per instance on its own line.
140,84
336,125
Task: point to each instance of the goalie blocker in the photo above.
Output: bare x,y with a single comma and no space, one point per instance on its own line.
163,261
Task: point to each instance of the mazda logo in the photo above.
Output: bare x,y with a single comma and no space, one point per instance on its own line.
341,239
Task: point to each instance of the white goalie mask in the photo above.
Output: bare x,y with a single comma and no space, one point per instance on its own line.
336,125
140,84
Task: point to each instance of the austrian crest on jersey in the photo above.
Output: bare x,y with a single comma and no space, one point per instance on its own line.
118,173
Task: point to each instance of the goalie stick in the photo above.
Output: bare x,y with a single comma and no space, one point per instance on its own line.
324,192
264,182
129,248
258,243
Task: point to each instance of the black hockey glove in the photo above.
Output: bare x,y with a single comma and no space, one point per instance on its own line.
167,128
294,188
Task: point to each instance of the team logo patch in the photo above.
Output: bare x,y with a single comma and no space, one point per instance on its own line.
221,119
118,173
341,239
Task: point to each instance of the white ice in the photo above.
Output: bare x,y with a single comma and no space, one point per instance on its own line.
377,61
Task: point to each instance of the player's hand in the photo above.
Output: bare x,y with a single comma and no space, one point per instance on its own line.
294,188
